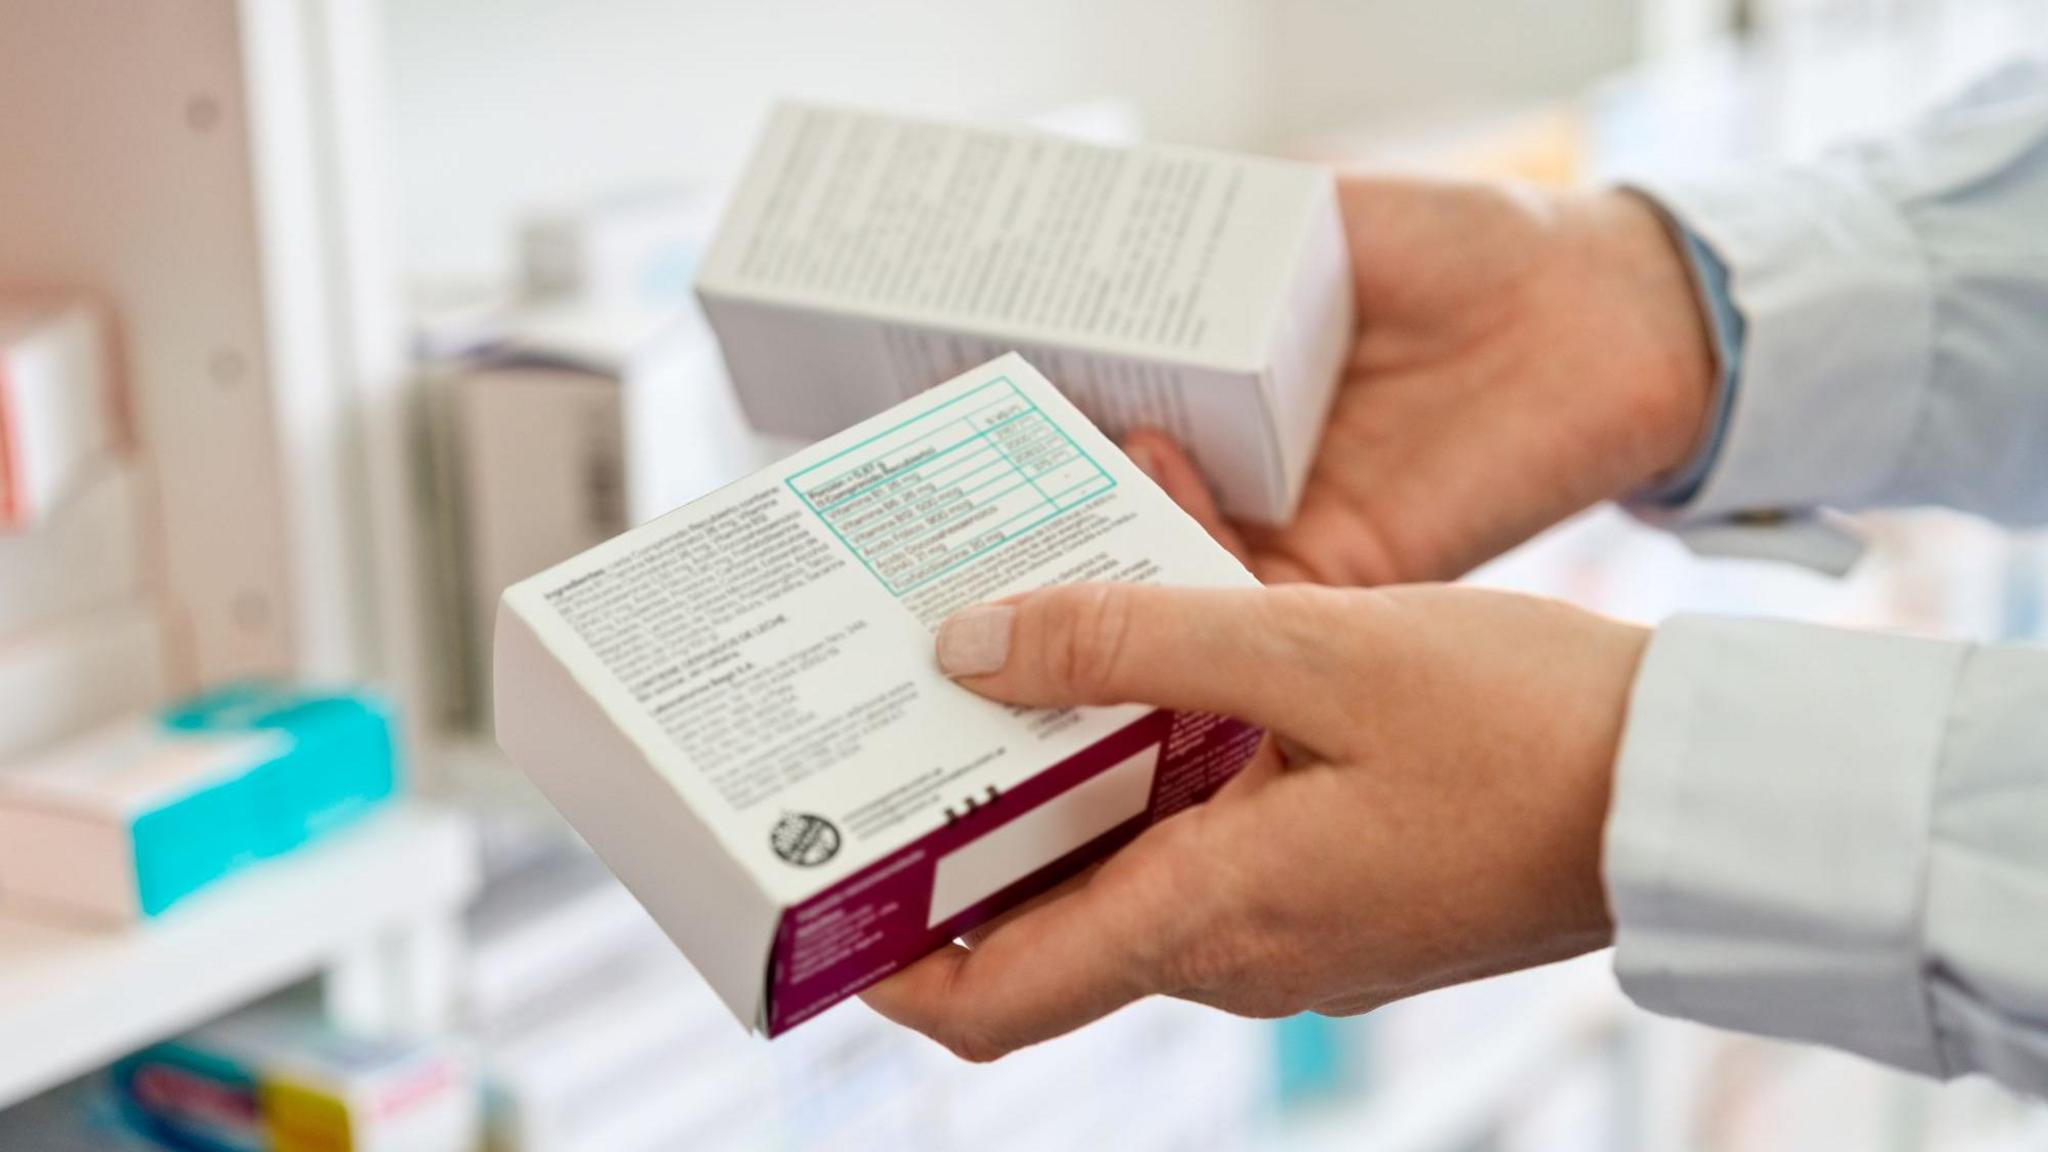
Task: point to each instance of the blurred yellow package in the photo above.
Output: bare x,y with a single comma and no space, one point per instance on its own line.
278,1078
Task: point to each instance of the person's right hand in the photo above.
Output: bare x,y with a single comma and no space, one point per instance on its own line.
1437,818
1521,356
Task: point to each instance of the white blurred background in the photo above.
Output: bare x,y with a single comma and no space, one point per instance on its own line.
557,103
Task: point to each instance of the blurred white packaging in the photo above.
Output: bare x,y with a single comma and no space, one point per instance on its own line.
572,423
625,1066
65,677
548,929
56,403
542,475
87,554
865,258
1202,1074
681,434
632,252
1105,121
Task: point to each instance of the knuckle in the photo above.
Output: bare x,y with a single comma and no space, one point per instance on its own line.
1214,941
973,1046
1088,644
1292,609
1306,621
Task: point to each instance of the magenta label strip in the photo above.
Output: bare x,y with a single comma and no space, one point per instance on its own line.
874,922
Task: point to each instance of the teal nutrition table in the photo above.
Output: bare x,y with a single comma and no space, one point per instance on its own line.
947,485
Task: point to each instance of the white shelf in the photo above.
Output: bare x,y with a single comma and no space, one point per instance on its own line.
72,1000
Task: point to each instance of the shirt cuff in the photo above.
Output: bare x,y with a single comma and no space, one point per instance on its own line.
1837,312
1725,325
1767,845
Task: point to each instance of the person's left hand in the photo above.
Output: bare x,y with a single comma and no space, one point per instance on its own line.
1437,818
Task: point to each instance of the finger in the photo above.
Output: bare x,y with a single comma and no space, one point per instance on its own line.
1056,966
1271,564
1268,764
1244,652
974,936
1158,456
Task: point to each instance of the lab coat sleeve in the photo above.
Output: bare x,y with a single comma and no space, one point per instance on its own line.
1894,307
1839,837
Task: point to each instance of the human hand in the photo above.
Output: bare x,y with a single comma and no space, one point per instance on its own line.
1438,818
1521,356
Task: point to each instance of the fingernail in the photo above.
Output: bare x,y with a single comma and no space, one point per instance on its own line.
975,641
1147,460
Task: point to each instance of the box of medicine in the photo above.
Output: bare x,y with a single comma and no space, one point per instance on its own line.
89,554
629,1052
635,251
276,1078
576,422
56,402
77,1117
62,677
119,825
865,256
736,704
547,931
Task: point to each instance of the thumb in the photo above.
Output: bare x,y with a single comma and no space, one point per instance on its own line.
1072,957
1117,933
1244,652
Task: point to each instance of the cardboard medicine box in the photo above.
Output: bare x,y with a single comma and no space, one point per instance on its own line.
120,824
276,1077
738,707
57,412
1203,294
88,555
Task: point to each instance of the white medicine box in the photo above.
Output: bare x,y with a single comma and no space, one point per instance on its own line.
738,707
865,257
57,414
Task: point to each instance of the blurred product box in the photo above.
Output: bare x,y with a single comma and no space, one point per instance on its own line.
636,1055
1317,1058
549,929
677,435
1110,120
277,1078
570,423
637,251
865,257
75,1118
88,554
594,1034
63,677
56,401
1202,1073
851,1079
121,824
542,477
737,705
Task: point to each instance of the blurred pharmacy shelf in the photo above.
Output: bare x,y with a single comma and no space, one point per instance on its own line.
1489,1062
373,909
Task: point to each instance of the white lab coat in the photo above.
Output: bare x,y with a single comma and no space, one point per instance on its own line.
1833,836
